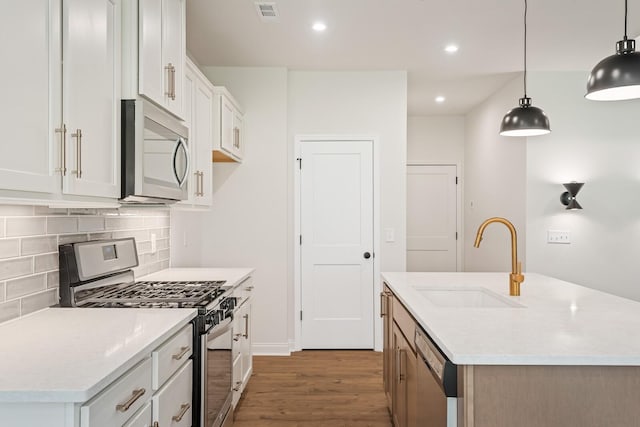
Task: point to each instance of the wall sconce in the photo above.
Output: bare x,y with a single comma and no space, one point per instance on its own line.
568,198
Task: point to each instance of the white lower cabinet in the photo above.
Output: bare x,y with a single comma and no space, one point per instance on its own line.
142,418
115,405
242,352
172,405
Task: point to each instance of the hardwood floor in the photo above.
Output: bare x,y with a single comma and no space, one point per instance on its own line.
315,388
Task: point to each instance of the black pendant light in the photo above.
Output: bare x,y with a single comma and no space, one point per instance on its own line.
525,120
617,77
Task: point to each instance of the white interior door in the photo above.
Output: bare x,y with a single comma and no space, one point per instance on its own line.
336,222
431,218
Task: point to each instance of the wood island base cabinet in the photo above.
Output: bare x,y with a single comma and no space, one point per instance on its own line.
506,395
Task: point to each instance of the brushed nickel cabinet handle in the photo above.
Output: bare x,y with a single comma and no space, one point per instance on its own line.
402,354
246,326
197,177
63,149
137,394
183,410
183,351
383,304
167,68
173,82
78,136
397,365
201,183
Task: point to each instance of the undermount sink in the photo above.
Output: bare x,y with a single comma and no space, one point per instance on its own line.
465,298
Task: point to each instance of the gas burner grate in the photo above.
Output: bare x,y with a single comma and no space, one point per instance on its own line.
159,294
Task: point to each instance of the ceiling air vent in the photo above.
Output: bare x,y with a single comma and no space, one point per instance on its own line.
267,11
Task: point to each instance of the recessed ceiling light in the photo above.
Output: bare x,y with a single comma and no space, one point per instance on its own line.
451,48
319,26
440,99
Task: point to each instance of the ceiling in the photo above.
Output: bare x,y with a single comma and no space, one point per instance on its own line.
411,35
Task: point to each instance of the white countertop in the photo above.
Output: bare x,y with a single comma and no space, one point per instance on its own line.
560,324
70,354
233,276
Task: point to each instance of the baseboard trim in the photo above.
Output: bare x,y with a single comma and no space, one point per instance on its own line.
271,349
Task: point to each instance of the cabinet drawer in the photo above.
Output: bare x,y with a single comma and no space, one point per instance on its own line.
142,418
405,322
171,355
119,401
172,405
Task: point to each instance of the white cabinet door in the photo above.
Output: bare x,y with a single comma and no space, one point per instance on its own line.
226,120
245,344
228,140
151,77
172,405
31,88
162,45
173,49
91,98
203,136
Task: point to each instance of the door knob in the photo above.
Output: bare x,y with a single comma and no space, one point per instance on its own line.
367,255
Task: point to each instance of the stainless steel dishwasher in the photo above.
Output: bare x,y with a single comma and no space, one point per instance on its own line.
437,385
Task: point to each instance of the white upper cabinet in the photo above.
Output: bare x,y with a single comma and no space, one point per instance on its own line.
61,141
91,97
158,33
198,113
228,141
31,87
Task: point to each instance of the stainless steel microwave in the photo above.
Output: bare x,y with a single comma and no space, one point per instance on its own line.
155,154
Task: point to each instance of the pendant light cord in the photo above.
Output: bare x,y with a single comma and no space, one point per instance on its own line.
525,47
625,19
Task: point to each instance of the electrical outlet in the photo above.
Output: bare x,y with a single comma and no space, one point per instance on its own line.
559,236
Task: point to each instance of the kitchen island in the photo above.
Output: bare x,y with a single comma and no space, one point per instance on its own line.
558,355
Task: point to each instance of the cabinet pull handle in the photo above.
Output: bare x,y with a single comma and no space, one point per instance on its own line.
246,326
156,424
63,149
383,304
249,288
171,81
183,410
236,137
183,351
397,365
78,136
237,387
202,183
137,394
401,356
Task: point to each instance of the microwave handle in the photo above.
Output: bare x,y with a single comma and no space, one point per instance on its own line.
182,181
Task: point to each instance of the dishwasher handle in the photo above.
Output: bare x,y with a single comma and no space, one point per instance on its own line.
443,370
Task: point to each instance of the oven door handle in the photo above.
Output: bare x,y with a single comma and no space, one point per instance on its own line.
221,328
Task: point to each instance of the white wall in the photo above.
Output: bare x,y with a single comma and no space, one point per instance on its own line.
494,182
435,139
360,103
248,223
596,143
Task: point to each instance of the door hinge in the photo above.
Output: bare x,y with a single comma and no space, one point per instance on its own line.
300,314
299,159
301,240
456,180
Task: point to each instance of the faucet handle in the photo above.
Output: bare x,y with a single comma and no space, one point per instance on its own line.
518,276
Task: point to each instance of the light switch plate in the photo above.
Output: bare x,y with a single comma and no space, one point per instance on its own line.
559,237
389,235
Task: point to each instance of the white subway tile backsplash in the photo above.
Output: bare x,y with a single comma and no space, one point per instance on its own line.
46,262
72,238
16,210
53,279
29,279
60,225
9,310
123,223
32,226
38,301
16,267
25,286
9,248
39,245
91,223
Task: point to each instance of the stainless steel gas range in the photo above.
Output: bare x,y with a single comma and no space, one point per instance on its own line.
98,274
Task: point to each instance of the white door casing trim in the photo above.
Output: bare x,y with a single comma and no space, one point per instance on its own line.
459,213
297,283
